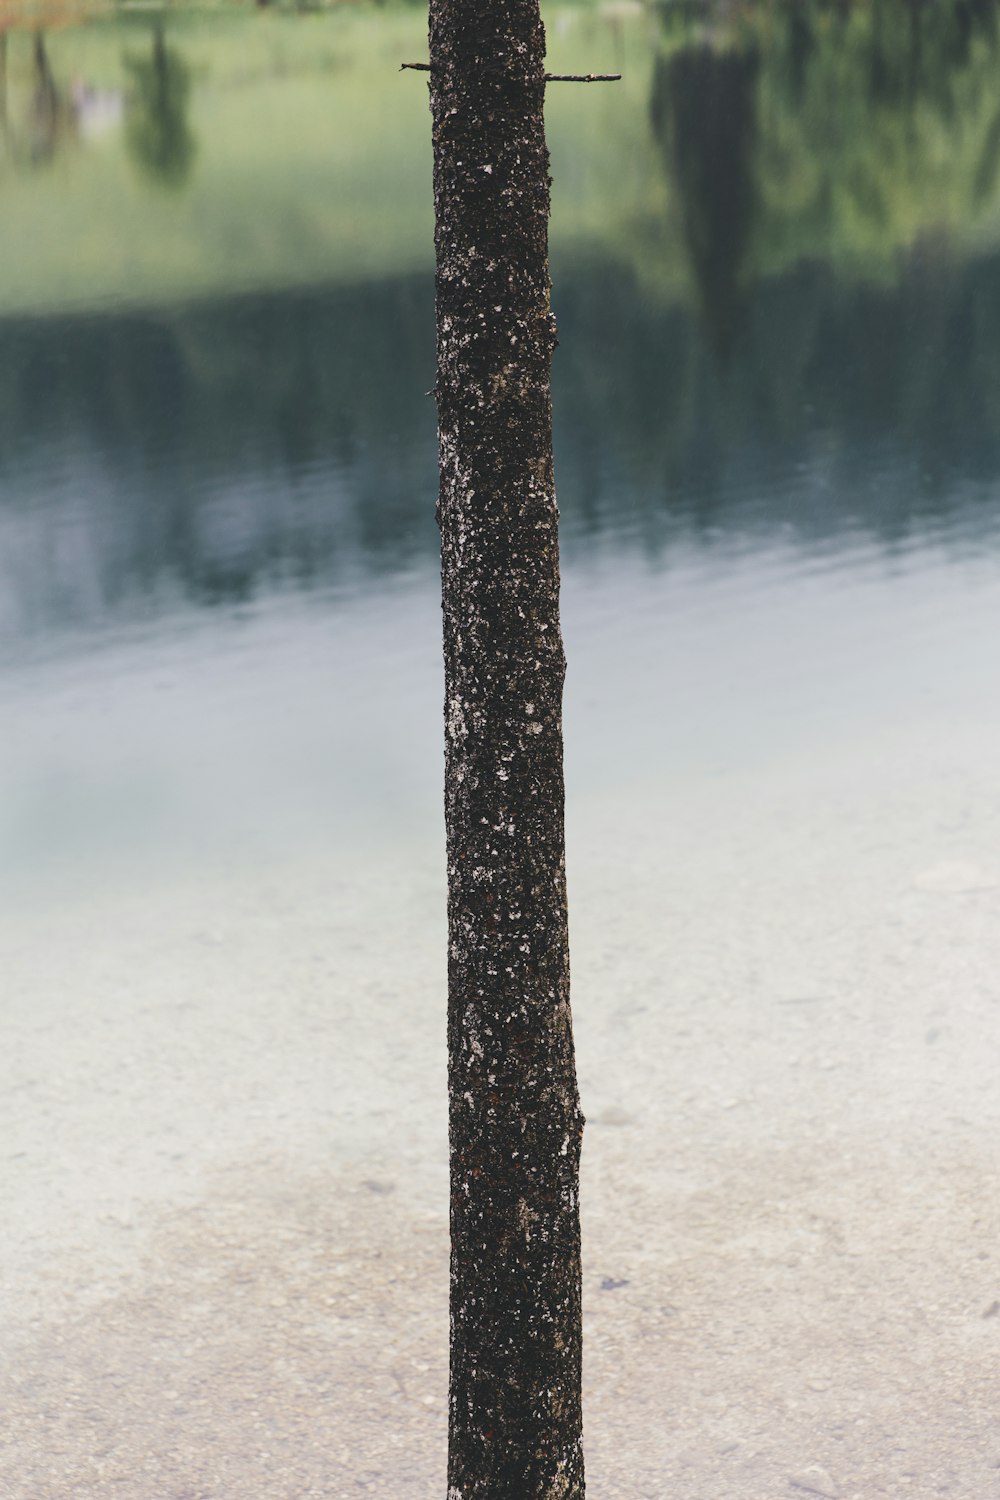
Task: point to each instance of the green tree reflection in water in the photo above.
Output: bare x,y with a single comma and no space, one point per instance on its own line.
917,49
48,116
703,112
824,131
157,132
4,117
3,78
227,446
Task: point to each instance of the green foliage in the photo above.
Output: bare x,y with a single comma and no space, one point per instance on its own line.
257,149
294,152
880,128
848,134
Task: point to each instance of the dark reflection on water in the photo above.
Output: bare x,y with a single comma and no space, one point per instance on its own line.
287,441
216,452
48,116
704,114
830,370
888,397
159,136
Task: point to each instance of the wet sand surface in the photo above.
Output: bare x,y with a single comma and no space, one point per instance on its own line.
224,1236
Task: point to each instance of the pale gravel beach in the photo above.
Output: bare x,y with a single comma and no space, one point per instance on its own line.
225,1245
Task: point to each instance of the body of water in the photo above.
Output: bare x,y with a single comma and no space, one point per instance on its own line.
776,266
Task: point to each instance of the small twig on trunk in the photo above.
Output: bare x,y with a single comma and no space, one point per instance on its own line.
549,77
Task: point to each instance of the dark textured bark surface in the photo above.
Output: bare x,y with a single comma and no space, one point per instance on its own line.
515,1121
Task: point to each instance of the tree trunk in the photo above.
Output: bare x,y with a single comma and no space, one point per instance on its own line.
515,1121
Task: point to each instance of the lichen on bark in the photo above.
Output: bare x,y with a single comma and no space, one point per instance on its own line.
515,1121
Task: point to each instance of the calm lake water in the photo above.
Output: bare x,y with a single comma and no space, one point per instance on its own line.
776,266
776,256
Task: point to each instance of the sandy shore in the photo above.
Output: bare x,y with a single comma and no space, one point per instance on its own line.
224,1238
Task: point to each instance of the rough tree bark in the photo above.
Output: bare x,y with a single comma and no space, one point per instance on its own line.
515,1121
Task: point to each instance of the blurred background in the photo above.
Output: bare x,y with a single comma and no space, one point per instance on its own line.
774,255
775,251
